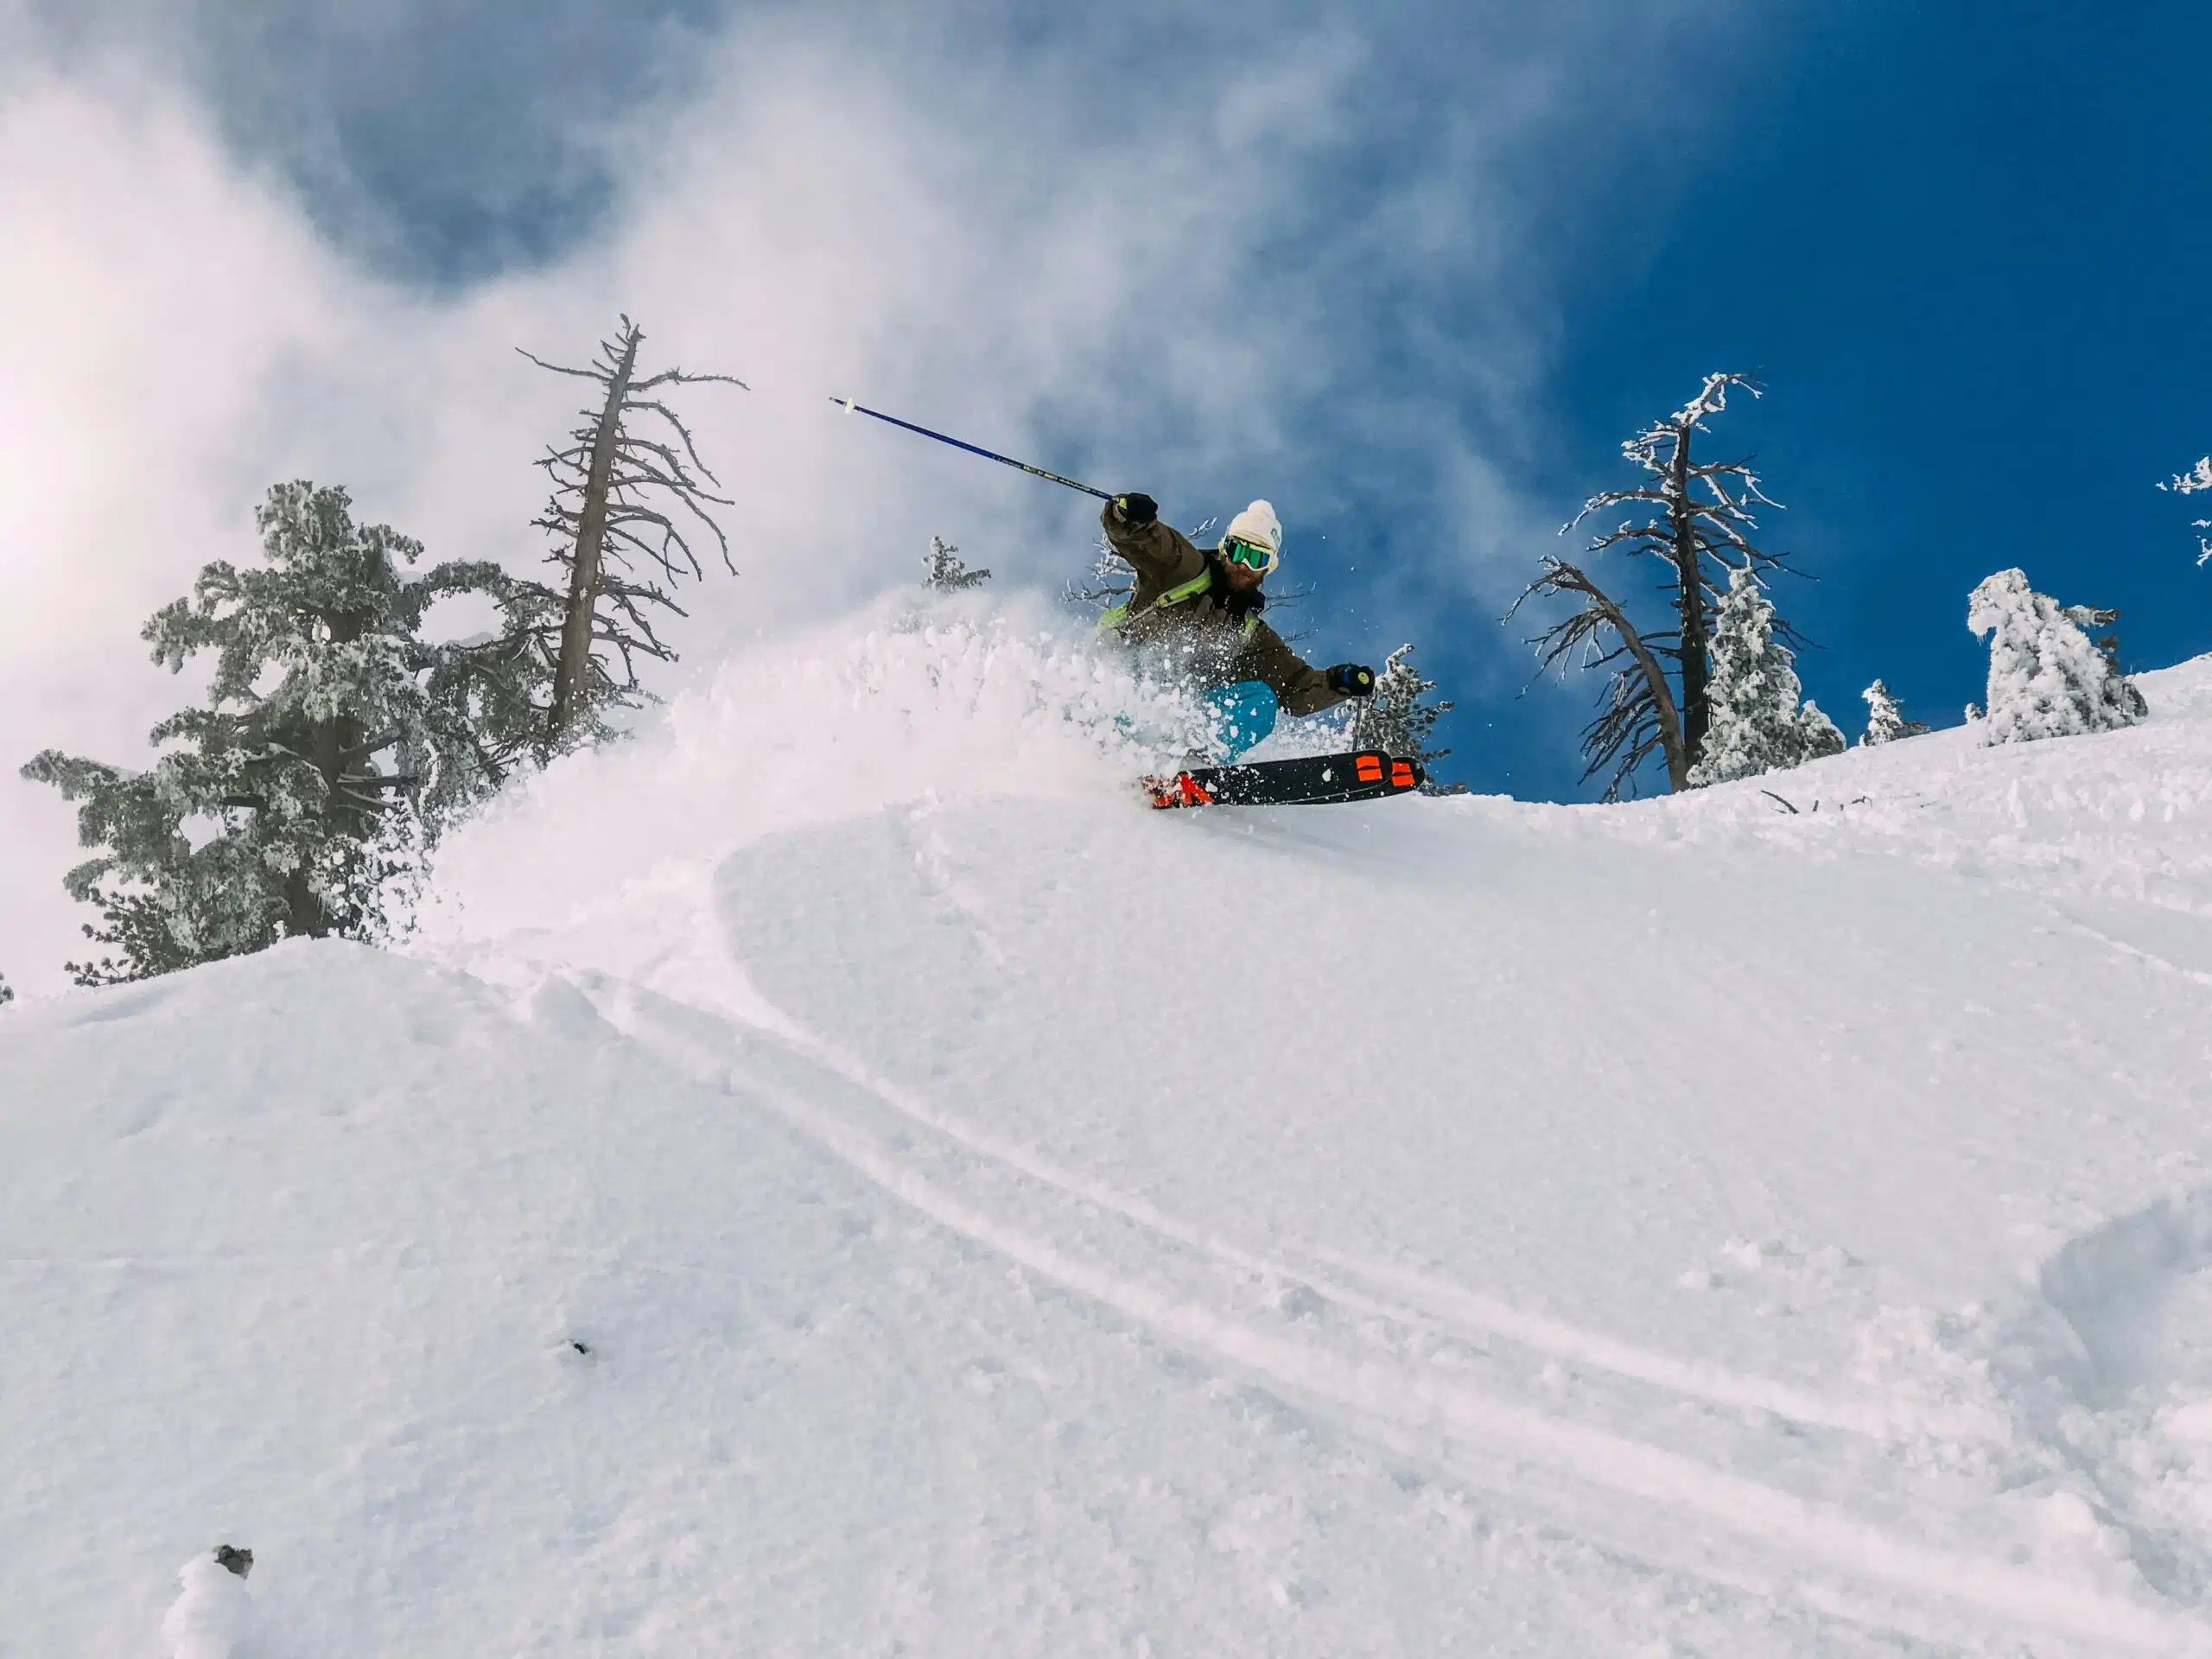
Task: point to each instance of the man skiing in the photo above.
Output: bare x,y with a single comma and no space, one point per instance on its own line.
1201,607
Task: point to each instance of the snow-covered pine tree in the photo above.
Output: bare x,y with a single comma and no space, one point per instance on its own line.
2047,678
1821,736
2198,476
944,572
7,992
334,746
1107,583
1695,519
1885,721
1396,719
1758,724
631,452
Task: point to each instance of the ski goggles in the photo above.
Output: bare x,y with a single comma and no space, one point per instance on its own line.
1251,556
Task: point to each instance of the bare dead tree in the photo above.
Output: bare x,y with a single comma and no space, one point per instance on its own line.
1696,518
624,500
1639,716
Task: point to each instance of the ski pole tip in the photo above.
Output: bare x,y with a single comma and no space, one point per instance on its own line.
845,403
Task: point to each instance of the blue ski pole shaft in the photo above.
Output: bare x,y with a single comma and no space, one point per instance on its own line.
852,408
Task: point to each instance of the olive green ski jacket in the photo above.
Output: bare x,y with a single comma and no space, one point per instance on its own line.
1183,606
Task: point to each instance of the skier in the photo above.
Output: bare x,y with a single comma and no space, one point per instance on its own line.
1203,605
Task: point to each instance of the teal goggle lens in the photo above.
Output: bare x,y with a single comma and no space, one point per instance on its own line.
1251,555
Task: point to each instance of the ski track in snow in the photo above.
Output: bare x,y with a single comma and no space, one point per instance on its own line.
1429,1304
1462,1430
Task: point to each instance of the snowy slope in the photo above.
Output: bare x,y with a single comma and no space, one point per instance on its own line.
1002,1219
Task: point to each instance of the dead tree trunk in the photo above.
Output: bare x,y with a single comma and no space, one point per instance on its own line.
591,534
1686,549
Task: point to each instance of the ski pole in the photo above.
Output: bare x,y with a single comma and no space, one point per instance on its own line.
852,408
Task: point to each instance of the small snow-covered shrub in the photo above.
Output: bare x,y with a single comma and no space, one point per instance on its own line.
1396,719
2047,678
1819,736
1885,721
944,571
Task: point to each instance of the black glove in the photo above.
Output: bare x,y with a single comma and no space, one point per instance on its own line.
1353,679
1137,508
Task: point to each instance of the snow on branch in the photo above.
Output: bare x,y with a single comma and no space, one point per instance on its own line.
2198,476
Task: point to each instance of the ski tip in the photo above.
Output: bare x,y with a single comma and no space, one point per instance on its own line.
1180,790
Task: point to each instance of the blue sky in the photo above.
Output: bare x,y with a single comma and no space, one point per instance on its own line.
1411,271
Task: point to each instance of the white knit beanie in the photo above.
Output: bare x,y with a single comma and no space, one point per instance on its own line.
1257,523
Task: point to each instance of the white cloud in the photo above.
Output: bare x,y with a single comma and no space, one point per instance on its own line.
155,294
989,237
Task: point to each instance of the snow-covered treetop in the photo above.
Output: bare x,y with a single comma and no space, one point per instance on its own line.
328,581
1714,498
1712,399
336,619
945,571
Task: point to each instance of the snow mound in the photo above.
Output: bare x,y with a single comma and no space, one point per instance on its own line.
840,1175
212,1616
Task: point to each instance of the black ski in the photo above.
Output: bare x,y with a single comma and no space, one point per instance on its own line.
1308,780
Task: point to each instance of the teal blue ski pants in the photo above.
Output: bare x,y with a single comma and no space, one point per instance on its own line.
1243,714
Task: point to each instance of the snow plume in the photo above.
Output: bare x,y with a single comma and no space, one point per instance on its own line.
949,696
